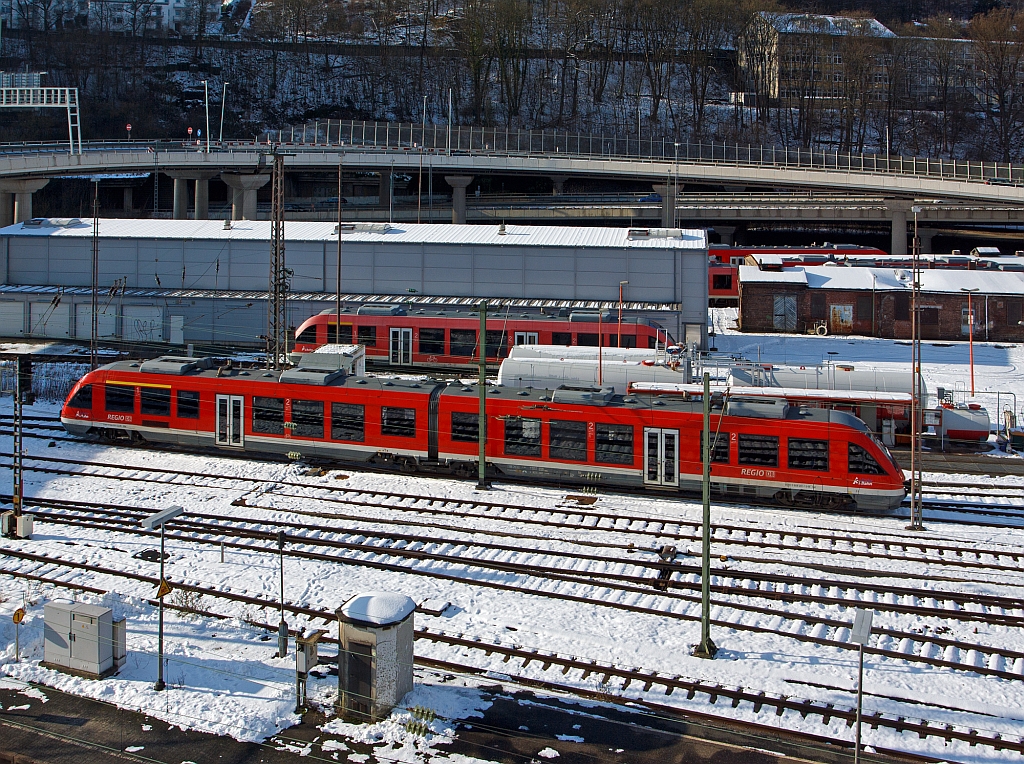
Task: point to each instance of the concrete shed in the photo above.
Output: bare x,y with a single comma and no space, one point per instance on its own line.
376,638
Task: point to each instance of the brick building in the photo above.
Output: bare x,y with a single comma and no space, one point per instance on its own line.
877,302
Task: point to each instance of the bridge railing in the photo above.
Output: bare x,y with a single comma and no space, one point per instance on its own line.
500,141
333,135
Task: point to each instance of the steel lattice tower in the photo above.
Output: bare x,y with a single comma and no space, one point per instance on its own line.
277,317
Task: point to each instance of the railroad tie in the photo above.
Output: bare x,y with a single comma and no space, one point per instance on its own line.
625,685
648,683
759,702
780,707
922,731
713,694
826,714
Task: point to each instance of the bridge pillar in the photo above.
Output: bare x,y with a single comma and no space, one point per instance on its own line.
384,194
926,235
127,202
667,191
243,193
557,184
6,209
180,199
898,214
458,184
21,189
727,233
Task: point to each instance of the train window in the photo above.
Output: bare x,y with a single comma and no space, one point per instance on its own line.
808,455
561,338
308,418
267,415
497,344
347,421
156,401
719,446
465,427
188,404
863,463
762,450
613,444
307,336
339,335
567,440
396,421
82,399
120,398
522,436
367,335
586,340
463,341
721,281
432,341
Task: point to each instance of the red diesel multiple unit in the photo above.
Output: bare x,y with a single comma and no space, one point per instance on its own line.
450,337
778,454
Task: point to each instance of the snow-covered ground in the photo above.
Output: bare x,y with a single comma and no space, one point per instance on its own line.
223,676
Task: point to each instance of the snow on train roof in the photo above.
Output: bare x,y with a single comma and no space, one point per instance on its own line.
790,393
937,280
393,233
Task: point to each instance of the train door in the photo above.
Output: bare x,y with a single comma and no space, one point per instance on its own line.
661,456
400,346
526,338
230,422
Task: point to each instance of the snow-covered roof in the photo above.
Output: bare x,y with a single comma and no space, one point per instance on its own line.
789,393
750,274
396,233
378,608
813,23
938,280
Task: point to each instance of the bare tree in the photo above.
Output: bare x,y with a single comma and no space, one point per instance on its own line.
512,26
759,53
944,54
706,25
999,62
472,34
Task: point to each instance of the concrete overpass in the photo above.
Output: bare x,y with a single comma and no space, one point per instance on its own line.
465,153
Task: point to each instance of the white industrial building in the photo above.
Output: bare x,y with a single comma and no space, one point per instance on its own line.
205,282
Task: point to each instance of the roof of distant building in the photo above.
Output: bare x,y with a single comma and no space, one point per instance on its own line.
813,23
838,277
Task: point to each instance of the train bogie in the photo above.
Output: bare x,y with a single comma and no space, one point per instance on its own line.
794,457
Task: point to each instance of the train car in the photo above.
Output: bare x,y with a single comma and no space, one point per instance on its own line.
782,455
448,338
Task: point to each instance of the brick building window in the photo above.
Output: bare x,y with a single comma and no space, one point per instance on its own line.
901,308
864,307
929,316
1013,311
819,310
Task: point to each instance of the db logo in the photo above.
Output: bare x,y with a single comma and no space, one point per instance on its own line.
862,481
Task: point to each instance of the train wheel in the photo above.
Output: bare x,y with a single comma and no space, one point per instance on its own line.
407,464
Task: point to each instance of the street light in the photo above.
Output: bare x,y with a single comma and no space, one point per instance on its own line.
618,339
206,89
916,510
152,522
223,101
970,330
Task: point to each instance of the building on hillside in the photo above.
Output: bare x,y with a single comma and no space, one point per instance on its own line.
877,302
794,56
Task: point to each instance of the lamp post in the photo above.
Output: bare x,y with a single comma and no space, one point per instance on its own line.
618,339
206,90
706,648
337,333
675,192
223,101
970,329
158,520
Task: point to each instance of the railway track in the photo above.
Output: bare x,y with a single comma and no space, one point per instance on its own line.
971,508
612,682
622,592
888,547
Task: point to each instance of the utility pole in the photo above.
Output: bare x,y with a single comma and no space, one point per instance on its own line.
282,628
94,334
206,89
277,318
481,422
158,520
916,404
337,332
18,470
706,648
223,102
419,180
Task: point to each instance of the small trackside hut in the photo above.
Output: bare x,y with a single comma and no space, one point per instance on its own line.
375,635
